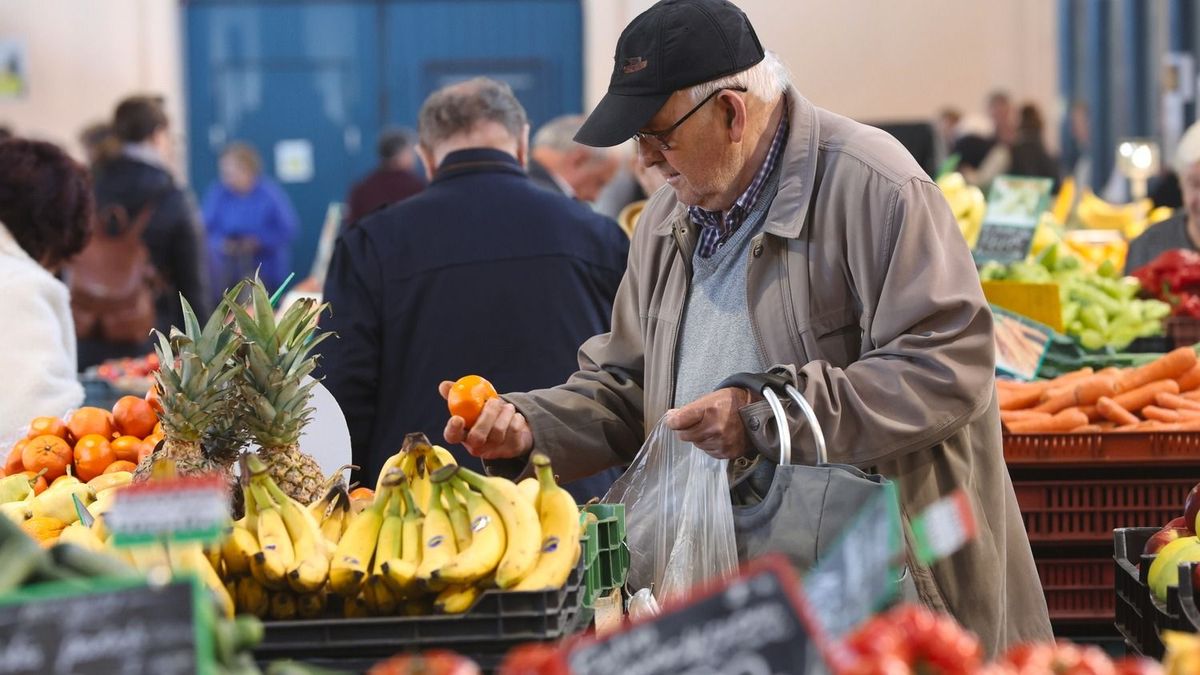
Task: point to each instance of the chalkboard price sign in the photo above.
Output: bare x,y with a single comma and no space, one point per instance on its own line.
753,623
1003,243
115,628
1015,205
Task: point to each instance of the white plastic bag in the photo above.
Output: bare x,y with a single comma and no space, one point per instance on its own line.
678,516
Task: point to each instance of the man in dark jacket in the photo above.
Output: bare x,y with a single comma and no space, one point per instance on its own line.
138,179
481,273
390,182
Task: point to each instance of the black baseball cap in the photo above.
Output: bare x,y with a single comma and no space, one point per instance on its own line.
673,45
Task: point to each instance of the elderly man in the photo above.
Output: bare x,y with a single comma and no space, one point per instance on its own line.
1181,230
790,236
560,164
482,272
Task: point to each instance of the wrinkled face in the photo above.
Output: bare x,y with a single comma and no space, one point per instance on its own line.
1189,182
235,175
591,178
701,164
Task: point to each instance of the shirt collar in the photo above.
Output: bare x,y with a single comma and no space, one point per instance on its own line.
145,153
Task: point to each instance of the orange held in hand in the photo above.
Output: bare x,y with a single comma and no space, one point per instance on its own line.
134,417
467,397
42,426
87,421
47,452
93,454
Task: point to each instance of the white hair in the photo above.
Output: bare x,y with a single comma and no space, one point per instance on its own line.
766,80
1187,152
559,134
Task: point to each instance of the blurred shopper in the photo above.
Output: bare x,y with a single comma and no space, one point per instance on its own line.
984,158
1029,156
949,127
146,250
796,241
251,222
649,181
394,179
560,164
45,218
100,144
483,272
5,133
1182,229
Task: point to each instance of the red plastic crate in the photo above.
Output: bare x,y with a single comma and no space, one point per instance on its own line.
1078,589
1170,448
1089,510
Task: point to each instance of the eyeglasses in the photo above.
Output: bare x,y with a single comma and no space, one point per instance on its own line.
661,136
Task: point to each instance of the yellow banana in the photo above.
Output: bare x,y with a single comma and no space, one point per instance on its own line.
311,568
352,558
276,555
437,538
239,546
456,599
310,605
460,521
189,557
400,573
334,522
283,606
252,597
321,508
520,524
149,559
529,490
355,607
379,598
487,544
444,456
559,517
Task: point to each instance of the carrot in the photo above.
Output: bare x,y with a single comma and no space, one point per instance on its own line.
1190,379
1084,391
1189,424
1087,429
1175,402
1008,416
1106,425
1066,420
1115,412
1092,413
1012,399
1072,376
1153,412
1139,398
1167,367
1193,395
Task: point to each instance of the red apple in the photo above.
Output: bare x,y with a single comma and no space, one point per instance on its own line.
1191,507
1163,537
1180,522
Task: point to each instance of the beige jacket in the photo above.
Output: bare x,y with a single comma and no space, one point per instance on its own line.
861,283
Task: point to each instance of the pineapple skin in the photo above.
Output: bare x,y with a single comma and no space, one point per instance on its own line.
297,474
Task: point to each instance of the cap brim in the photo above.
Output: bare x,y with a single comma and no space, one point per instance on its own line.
618,117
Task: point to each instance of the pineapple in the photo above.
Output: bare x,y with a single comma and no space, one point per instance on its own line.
276,357
196,381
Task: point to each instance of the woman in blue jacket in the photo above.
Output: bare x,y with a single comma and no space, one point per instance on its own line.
250,220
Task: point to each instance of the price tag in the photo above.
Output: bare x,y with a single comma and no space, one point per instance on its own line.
1015,204
755,622
860,573
180,509
113,627
1021,343
943,528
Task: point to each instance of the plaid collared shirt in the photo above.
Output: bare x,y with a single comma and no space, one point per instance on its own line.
715,229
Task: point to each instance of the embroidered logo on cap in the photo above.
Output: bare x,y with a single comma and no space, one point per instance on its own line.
632,65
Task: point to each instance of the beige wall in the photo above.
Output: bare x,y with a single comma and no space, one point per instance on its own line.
883,61
84,56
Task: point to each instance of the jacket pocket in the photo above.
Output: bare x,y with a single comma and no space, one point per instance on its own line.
834,337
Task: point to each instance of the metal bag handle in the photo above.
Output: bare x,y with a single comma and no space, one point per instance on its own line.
765,384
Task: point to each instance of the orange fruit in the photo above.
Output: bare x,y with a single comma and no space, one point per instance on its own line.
42,426
152,398
145,449
87,421
120,465
467,397
15,463
365,493
93,454
47,452
127,448
39,481
134,417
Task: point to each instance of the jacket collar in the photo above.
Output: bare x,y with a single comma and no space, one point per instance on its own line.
477,160
797,175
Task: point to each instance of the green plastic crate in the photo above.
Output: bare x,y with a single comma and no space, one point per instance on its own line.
589,546
612,550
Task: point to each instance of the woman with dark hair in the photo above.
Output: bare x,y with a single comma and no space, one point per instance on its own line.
45,218
1029,154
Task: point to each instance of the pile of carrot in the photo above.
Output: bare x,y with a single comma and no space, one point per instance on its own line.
1163,395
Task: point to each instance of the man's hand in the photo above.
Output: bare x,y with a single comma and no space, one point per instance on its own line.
712,423
500,432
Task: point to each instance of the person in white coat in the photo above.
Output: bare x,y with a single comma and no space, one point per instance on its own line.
46,215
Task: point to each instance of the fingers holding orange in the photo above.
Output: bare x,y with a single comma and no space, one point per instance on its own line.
468,396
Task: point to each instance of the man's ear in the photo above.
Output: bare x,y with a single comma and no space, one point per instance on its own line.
523,147
427,161
733,107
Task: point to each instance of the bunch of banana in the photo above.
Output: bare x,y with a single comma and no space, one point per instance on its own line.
1183,653
418,460
966,202
1095,213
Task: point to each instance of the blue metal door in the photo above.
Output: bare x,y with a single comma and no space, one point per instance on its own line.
293,79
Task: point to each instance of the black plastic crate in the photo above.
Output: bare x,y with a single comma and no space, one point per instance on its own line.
498,621
1135,611
1186,597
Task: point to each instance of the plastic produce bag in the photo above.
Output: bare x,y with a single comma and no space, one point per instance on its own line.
679,518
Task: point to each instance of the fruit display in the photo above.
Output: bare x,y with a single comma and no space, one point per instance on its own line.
1162,395
1176,543
911,639
432,537
966,202
1130,219
128,374
1174,278
1100,308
